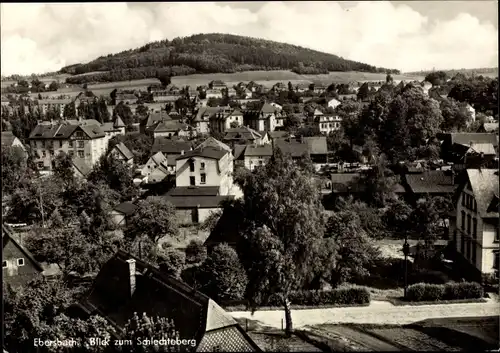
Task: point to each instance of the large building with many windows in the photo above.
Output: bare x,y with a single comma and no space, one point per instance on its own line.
84,139
476,236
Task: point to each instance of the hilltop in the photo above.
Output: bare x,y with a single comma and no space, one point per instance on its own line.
489,71
211,53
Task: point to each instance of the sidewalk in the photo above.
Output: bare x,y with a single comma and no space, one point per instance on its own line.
378,312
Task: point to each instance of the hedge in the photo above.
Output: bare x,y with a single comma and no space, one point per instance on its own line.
348,295
449,291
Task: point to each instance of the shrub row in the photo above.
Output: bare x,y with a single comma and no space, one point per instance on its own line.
449,291
349,295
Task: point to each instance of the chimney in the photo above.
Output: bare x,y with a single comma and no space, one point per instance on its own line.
131,267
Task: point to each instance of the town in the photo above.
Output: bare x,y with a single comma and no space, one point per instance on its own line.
249,216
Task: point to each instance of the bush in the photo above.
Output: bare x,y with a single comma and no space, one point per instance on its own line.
426,276
463,290
449,291
349,295
196,252
172,261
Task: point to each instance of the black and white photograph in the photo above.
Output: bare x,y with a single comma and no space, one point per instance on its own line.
260,176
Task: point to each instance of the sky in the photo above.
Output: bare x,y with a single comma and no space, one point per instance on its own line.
405,35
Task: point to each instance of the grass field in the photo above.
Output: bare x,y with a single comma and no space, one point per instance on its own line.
266,78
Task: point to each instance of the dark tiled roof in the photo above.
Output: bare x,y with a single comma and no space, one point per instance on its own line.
238,151
316,144
213,142
81,166
180,191
433,181
167,146
127,208
468,138
158,294
154,118
345,182
207,152
124,150
7,235
295,149
198,201
64,131
169,126
257,151
242,133
484,184
278,134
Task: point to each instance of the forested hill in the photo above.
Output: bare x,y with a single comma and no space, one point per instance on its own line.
211,53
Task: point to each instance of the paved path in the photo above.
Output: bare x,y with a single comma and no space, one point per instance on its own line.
378,312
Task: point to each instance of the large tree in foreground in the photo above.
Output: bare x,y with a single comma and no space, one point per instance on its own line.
283,224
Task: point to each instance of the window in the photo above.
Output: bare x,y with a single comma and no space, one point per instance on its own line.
474,228
261,162
80,144
474,254
463,220
203,179
70,144
80,154
4,264
202,166
462,244
192,181
474,205
468,224
40,165
20,262
44,154
495,259
191,166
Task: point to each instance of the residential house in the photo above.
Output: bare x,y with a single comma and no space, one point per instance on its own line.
254,87
122,213
206,166
317,149
319,88
429,183
333,103
222,120
489,128
348,97
263,119
18,264
84,139
161,172
246,94
456,146
171,149
127,98
155,161
280,86
471,111
348,184
302,87
214,93
112,129
148,124
202,119
327,123
122,153
272,135
170,128
231,92
80,168
127,285
296,149
212,142
476,237
10,140
217,85
56,105
244,135
254,156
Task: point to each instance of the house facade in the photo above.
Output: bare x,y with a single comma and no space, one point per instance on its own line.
86,141
57,105
255,156
327,123
476,237
222,121
18,264
122,153
263,119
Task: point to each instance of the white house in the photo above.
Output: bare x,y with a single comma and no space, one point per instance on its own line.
156,160
477,232
122,153
333,103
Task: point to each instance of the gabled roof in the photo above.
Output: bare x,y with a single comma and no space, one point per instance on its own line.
277,134
125,152
169,126
126,208
485,148
64,131
8,235
484,183
157,294
118,122
242,133
238,151
81,166
345,183
468,138
207,152
316,144
158,158
259,151
267,108
432,181
295,149
168,146
154,118
213,142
